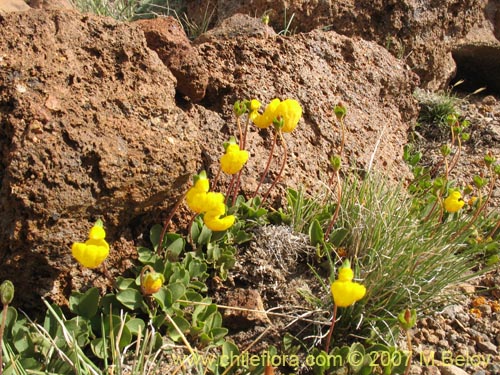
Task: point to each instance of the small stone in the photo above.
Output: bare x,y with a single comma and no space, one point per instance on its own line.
415,370
440,333
431,370
480,372
489,100
242,299
451,370
485,309
487,347
452,311
444,344
493,368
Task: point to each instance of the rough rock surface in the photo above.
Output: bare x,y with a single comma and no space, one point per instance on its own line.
13,6
91,128
419,32
478,54
168,39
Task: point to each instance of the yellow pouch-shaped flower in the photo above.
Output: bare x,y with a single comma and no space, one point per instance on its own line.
234,159
266,119
196,196
91,253
345,292
453,202
214,222
290,111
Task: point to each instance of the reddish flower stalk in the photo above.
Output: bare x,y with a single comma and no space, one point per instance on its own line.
167,222
266,170
337,209
330,331
283,164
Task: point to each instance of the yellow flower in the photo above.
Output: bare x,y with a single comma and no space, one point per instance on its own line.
290,111
234,159
214,222
266,119
95,250
345,292
453,202
196,196
151,282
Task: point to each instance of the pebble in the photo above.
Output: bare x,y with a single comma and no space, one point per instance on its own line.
487,347
452,311
451,370
431,370
485,309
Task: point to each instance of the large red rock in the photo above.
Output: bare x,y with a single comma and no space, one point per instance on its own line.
420,33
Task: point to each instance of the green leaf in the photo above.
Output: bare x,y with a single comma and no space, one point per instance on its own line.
175,249
316,233
229,352
130,298
204,237
182,325
146,256
177,290
135,325
99,348
154,235
9,321
84,304
123,283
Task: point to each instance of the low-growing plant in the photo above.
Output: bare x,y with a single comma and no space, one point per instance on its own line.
385,253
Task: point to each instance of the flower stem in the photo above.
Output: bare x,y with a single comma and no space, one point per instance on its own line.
264,174
479,210
330,331
167,222
2,329
337,209
408,343
283,164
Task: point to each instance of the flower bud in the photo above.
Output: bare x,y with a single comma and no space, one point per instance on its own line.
445,150
265,19
239,108
340,111
336,162
7,292
407,318
151,282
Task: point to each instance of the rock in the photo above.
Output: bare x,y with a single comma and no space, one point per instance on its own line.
52,4
237,26
167,38
326,68
451,311
451,370
7,6
420,33
249,309
487,346
89,129
477,55
431,370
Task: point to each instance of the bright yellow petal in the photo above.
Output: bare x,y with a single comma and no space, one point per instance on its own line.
97,233
291,112
215,223
266,119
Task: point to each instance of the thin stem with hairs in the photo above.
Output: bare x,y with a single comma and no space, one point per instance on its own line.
283,164
266,169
